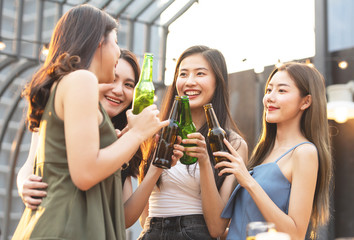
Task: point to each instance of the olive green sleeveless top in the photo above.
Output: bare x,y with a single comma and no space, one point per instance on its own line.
67,212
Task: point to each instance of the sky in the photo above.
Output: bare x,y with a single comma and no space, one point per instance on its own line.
260,31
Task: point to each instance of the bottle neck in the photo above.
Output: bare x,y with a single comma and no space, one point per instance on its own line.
211,118
146,73
186,115
174,114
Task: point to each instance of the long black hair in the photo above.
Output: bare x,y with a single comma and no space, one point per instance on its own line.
314,126
220,100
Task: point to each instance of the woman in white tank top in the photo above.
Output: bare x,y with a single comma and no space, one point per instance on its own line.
181,205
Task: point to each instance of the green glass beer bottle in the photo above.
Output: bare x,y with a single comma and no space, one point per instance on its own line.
215,135
186,126
168,137
144,91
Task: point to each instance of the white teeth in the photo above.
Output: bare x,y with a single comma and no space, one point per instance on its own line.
113,100
192,93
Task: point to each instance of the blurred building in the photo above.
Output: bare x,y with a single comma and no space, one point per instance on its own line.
334,58
26,26
25,29
341,50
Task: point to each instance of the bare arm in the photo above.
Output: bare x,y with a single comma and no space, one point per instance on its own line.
304,175
127,189
228,186
88,164
28,184
137,204
144,215
213,201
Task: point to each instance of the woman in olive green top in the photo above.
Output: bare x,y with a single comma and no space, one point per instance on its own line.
78,153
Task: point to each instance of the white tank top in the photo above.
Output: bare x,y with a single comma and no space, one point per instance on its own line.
179,194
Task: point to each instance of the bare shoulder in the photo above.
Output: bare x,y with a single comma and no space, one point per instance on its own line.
236,140
239,144
306,150
82,73
305,156
79,87
80,77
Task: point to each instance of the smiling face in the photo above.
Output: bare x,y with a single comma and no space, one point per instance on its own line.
196,79
117,96
282,101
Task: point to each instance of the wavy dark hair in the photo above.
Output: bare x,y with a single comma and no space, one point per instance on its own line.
120,121
314,126
220,101
74,41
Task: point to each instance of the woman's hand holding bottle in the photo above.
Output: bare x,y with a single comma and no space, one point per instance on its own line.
199,151
177,154
236,166
146,123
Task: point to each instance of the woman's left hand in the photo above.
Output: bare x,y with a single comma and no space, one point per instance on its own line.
236,166
177,153
199,151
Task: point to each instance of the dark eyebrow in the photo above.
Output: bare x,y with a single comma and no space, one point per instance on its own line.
283,85
131,80
202,68
280,85
195,69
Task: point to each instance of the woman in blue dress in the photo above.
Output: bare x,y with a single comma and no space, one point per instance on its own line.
288,175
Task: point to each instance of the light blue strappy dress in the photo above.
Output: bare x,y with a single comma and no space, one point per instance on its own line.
242,209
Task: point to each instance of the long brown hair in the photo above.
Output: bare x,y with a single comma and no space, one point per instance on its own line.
72,46
120,121
314,126
220,100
